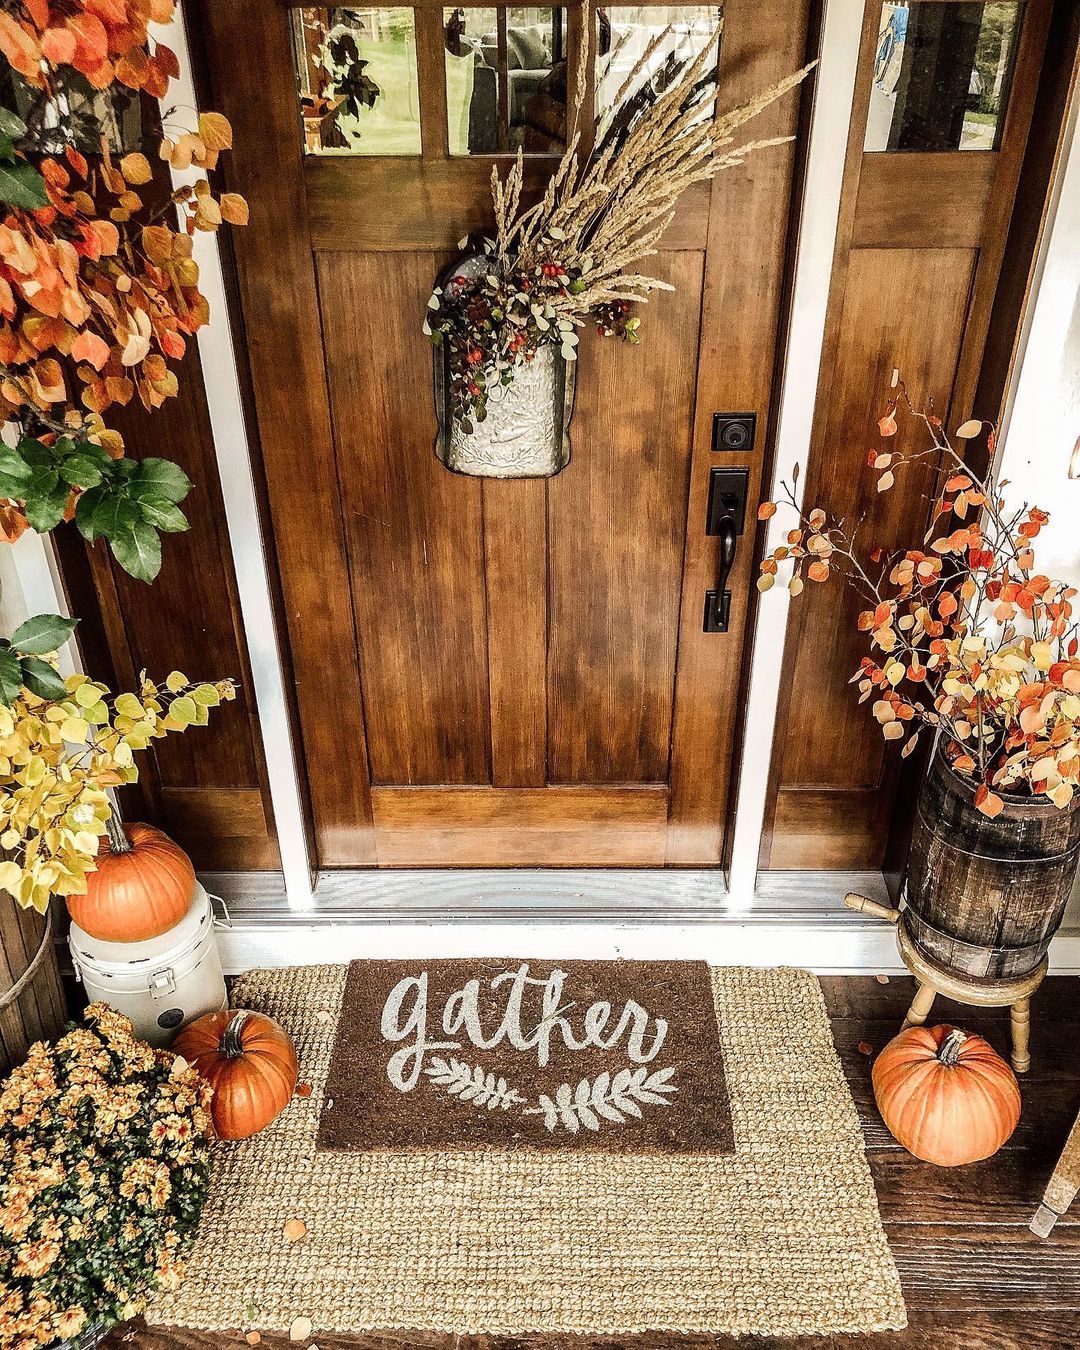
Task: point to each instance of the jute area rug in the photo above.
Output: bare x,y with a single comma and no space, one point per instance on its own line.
454,1175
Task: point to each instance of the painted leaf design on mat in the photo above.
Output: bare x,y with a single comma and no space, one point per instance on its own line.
604,1097
472,1084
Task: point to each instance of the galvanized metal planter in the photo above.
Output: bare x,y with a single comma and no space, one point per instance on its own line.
526,433
984,896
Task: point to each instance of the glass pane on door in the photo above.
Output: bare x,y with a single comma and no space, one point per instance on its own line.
667,35
356,70
505,80
941,75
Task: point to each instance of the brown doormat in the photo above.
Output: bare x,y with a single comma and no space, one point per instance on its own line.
779,1237
617,1056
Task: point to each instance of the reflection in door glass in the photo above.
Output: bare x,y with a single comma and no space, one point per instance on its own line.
356,70
941,75
505,80
670,34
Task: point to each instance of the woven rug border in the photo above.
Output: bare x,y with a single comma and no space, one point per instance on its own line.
781,1238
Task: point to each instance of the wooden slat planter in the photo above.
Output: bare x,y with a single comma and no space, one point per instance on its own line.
985,895
38,1012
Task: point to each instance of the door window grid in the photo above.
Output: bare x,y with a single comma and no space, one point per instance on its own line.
358,82
480,80
624,33
505,79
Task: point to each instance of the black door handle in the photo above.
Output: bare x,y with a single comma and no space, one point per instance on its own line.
726,512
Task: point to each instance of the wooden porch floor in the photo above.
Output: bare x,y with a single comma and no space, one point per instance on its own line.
974,1277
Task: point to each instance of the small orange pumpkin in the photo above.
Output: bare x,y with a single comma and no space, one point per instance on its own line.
947,1096
138,891
250,1063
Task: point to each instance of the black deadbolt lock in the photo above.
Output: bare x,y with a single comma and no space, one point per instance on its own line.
733,431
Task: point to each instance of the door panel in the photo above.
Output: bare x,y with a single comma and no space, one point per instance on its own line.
498,673
617,523
877,335
536,827
414,532
916,268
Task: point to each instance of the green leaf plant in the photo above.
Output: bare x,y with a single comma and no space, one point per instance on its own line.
21,664
126,502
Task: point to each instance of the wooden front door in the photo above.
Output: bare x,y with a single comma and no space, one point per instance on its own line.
494,672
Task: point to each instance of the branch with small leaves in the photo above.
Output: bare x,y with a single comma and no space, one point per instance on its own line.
99,289
965,635
64,744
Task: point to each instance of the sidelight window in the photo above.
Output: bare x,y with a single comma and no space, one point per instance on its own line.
941,75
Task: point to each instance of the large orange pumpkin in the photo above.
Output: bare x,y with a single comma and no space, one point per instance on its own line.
948,1097
250,1063
136,892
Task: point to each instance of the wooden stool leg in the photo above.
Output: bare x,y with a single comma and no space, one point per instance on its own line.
1020,1017
920,1006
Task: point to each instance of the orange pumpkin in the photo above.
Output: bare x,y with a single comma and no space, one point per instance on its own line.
945,1095
136,892
250,1063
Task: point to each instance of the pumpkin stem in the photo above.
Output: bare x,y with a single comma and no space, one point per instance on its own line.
114,828
232,1045
949,1051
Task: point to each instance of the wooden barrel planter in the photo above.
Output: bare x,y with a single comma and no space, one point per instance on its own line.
31,997
984,895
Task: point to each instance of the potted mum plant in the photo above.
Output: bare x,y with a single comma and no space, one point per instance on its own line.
105,1153
505,318
968,640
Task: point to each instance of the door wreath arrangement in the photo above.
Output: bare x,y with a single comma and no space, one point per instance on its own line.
505,319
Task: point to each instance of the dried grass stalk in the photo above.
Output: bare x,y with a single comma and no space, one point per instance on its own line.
603,213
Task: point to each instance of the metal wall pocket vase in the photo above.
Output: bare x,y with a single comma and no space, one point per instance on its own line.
526,433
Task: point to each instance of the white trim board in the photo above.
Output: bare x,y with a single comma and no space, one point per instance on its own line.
819,214
846,945
798,919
